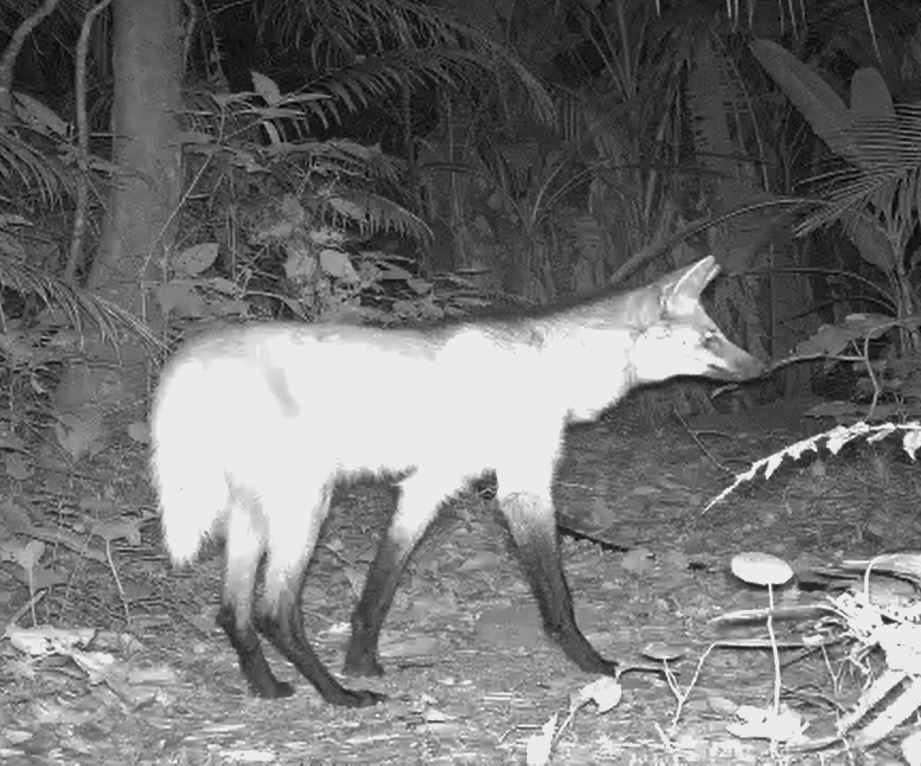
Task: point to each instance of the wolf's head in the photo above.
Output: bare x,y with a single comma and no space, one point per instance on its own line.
674,336
597,351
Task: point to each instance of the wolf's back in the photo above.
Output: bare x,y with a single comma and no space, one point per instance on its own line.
280,409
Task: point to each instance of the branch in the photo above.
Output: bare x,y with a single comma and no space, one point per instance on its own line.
83,143
8,59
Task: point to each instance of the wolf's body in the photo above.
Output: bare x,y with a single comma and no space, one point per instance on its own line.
252,426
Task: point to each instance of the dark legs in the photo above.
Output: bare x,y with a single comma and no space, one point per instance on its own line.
288,541
245,545
287,534
256,671
421,497
532,522
361,656
285,629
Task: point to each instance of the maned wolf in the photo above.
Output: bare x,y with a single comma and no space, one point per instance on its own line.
253,425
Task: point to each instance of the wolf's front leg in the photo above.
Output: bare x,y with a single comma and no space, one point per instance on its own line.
532,521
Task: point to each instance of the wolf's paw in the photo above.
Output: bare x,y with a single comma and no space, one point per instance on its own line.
359,698
362,664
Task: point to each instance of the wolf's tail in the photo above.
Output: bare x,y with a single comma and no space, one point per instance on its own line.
187,466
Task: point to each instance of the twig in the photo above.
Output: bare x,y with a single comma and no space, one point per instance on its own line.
118,582
83,144
29,606
693,434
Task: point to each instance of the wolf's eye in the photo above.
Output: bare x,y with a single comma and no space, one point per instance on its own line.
710,338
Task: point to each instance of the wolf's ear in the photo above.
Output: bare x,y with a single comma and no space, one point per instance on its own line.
684,286
692,280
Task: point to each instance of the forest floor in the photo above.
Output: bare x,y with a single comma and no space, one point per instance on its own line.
470,675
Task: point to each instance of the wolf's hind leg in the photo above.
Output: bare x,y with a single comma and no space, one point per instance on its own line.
422,494
291,541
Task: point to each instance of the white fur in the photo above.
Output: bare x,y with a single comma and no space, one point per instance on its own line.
344,400
256,422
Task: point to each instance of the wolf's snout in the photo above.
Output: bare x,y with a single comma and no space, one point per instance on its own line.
747,367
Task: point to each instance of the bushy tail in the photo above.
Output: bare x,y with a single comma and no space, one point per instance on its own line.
187,465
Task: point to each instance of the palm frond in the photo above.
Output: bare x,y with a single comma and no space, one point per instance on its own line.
373,213
79,306
25,171
341,34
887,172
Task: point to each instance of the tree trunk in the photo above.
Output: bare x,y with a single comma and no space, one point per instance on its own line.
136,236
137,232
